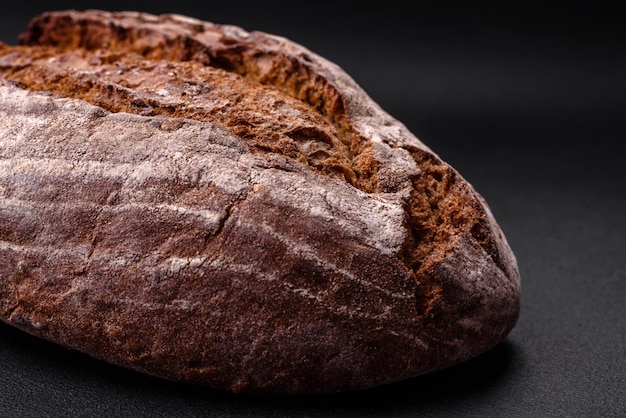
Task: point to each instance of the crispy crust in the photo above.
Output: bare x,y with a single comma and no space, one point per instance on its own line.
301,242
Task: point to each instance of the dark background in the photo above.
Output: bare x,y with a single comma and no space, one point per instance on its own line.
528,101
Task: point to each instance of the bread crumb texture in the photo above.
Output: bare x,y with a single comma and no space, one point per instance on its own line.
223,207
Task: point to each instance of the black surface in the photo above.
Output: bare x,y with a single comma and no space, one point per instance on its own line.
529,103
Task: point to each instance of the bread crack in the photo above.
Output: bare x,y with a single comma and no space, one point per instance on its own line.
276,101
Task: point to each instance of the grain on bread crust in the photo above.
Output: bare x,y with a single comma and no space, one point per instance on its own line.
226,207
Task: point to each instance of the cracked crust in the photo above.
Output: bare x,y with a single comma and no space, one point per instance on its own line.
227,208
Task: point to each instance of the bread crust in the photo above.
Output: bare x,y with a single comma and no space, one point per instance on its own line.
177,243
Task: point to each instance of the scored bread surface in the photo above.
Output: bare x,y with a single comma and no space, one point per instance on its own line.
223,207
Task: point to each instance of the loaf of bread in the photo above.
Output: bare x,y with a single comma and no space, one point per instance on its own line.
227,208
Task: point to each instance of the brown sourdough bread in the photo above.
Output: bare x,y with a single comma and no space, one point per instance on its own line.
227,208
